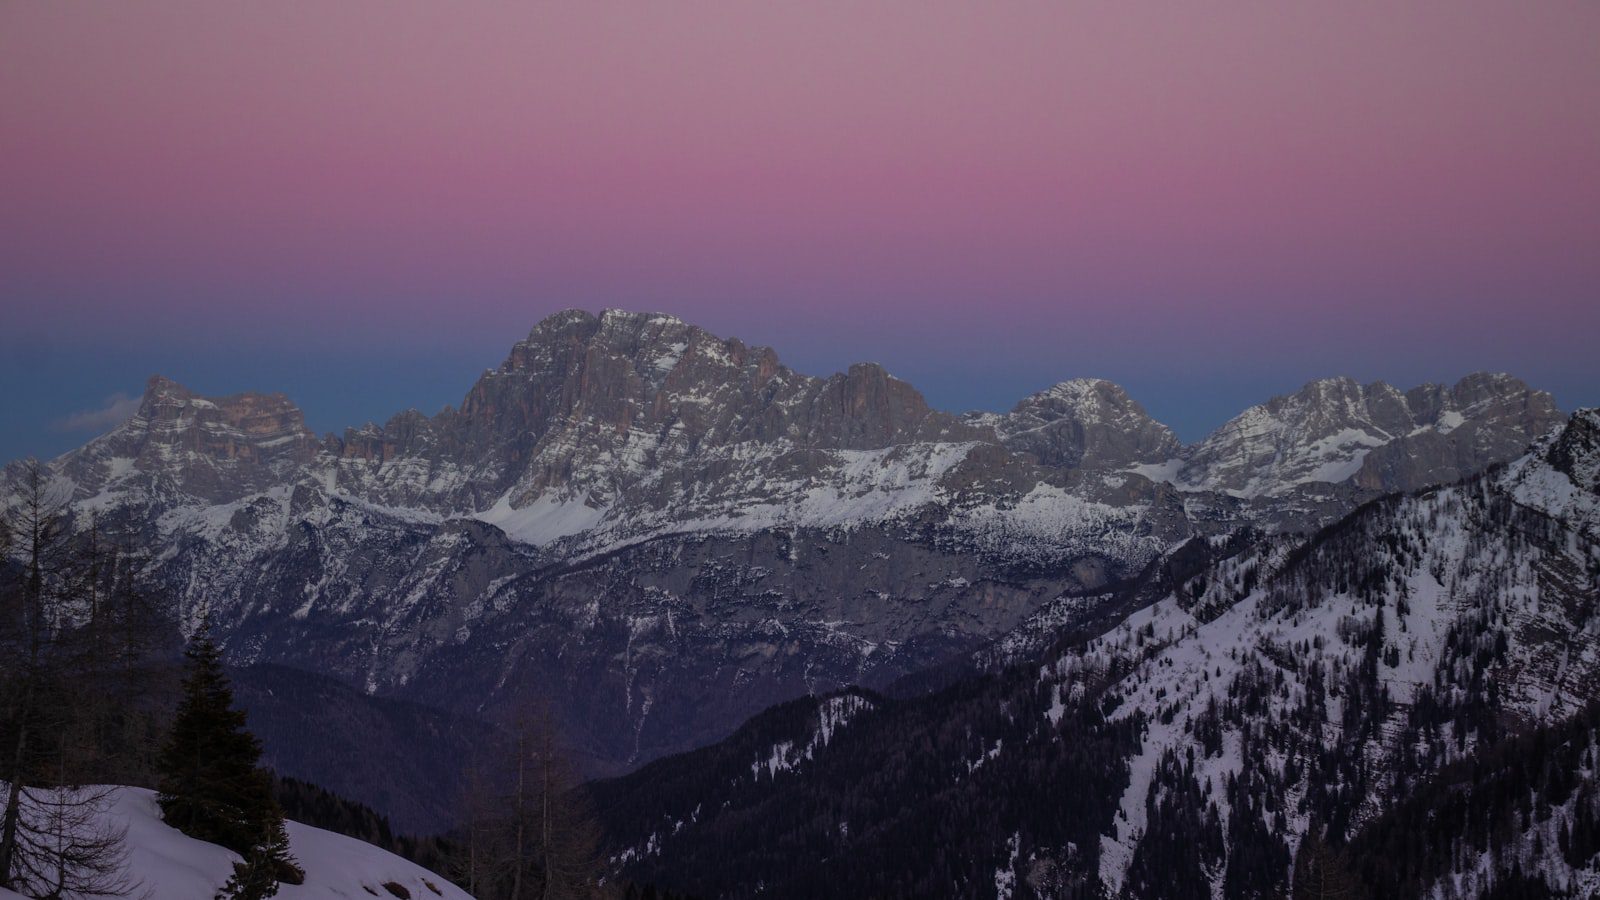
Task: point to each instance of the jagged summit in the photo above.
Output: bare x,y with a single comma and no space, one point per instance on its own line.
214,448
586,392
1575,452
1085,422
597,409
1376,436
158,386
1561,473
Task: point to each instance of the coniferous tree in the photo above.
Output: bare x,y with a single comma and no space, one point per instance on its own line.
267,864
211,786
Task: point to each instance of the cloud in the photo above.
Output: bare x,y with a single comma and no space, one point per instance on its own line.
118,408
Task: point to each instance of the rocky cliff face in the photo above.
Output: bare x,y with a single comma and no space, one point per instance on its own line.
1371,436
1575,452
670,530
212,449
1084,423
591,409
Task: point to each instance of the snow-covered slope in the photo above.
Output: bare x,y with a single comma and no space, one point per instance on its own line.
1407,636
166,864
1561,475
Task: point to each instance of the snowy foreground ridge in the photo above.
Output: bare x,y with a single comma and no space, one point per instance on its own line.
170,865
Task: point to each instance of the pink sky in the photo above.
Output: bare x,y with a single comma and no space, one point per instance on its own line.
1086,185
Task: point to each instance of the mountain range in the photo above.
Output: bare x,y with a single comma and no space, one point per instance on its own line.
663,532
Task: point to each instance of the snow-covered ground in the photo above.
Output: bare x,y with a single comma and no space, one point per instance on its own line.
1444,556
169,865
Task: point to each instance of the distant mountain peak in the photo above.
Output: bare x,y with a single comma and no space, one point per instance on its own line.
1575,452
1335,429
1077,387
631,317
159,386
1084,423
215,448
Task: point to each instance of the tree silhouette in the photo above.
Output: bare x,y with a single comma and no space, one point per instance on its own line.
211,785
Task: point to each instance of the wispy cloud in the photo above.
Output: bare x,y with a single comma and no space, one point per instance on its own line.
118,408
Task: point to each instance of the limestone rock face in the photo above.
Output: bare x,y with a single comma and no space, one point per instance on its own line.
1372,436
1575,452
211,448
590,408
1085,423
1459,431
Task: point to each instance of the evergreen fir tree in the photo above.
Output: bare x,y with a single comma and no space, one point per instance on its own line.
211,787
267,864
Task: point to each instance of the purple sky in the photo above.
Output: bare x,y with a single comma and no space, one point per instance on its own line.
364,204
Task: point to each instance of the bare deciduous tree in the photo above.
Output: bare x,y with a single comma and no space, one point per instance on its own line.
36,532
1321,873
52,838
526,824
66,848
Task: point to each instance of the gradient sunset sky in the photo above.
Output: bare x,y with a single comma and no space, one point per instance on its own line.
365,204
